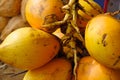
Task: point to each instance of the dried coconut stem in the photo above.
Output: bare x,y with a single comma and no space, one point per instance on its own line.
113,13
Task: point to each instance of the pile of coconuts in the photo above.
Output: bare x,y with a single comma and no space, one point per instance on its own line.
11,16
94,66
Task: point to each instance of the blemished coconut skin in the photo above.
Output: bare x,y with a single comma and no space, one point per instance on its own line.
28,48
102,40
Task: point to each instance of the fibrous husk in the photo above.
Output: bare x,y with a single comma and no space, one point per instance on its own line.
9,8
23,4
3,22
14,23
10,73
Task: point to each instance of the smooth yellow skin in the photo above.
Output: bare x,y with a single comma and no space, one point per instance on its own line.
57,69
102,40
90,11
84,15
28,48
90,69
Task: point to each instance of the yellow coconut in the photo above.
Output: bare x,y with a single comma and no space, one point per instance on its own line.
28,48
57,69
90,69
102,40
